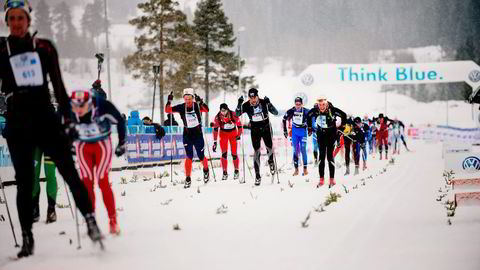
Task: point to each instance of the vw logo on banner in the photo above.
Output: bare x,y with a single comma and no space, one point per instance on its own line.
474,76
471,164
307,79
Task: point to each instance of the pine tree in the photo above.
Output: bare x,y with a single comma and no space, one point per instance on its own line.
215,39
43,20
68,42
167,41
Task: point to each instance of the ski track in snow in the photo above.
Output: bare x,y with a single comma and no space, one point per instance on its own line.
393,222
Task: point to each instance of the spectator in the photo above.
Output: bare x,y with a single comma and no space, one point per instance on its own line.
159,131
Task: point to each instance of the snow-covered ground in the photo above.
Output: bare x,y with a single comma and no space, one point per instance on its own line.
389,219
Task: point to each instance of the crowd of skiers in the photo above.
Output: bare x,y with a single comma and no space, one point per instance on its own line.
35,127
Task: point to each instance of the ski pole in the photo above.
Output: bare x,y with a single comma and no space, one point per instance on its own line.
273,150
8,212
68,198
210,158
78,231
100,59
243,147
346,135
156,70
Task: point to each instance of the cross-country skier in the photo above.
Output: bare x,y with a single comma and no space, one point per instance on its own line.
326,115
191,113
31,118
51,186
359,147
398,129
298,114
93,118
257,110
230,131
382,134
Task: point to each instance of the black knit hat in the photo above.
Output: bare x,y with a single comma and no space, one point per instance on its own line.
380,115
223,106
357,120
253,92
298,99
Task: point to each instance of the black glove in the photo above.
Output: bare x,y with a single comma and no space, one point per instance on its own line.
285,133
239,137
240,101
71,131
120,150
267,100
214,147
170,97
198,99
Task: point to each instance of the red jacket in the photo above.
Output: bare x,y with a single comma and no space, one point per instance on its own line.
228,123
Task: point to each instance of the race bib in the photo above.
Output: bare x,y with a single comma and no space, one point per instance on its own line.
257,117
27,69
322,121
298,118
88,131
192,120
229,126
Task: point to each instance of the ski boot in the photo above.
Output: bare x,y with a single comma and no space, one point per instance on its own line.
236,175
92,228
225,175
28,245
347,172
295,172
386,155
380,155
51,214
36,213
113,225
188,182
206,175
364,165
258,180
272,168
332,183
322,181
356,170
305,172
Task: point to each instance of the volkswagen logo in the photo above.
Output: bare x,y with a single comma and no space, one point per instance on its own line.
474,76
307,79
471,164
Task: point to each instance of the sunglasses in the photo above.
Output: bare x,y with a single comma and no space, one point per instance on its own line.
16,4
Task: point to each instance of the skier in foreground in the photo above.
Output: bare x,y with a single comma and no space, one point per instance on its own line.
93,118
257,110
230,131
299,115
326,115
190,111
30,111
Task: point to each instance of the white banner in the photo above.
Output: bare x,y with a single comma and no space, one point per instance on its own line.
403,73
462,163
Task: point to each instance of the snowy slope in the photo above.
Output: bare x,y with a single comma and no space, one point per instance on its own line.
391,222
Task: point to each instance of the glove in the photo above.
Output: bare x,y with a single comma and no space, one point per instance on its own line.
71,131
285,133
214,147
267,100
240,101
198,99
239,137
310,131
170,97
362,145
120,150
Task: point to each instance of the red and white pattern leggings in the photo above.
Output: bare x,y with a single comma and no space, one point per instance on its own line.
94,160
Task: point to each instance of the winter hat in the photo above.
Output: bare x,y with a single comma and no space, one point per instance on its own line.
321,97
223,106
23,4
80,97
298,99
357,120
253,92
380,115
188,91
